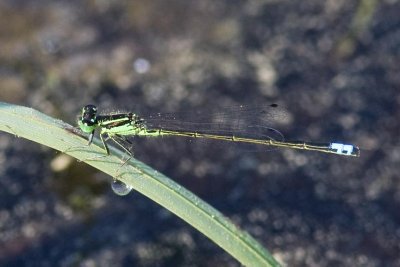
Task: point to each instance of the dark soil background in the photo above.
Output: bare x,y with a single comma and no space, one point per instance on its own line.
332,65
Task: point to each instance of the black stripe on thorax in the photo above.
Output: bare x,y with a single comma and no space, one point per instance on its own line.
116,120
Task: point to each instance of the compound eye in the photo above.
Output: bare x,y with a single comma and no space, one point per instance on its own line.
90,109
89,119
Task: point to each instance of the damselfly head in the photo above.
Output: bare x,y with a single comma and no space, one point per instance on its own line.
89,114
88,121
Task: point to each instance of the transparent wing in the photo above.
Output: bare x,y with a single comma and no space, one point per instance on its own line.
256,122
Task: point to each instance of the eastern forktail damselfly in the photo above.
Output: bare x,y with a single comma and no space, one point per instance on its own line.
119,126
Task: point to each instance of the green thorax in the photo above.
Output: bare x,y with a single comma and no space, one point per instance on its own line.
124,124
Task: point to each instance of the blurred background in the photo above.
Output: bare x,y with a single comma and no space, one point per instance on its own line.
333,65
